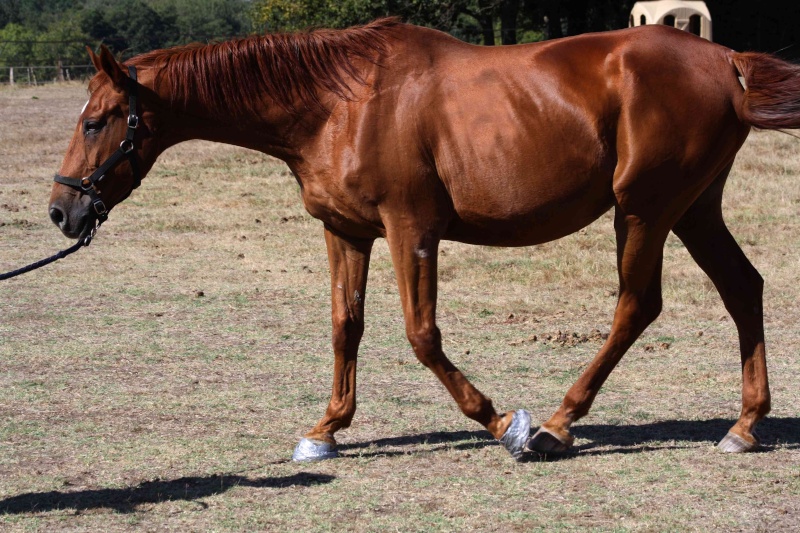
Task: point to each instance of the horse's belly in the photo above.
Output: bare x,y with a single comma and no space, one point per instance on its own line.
523,214
525,182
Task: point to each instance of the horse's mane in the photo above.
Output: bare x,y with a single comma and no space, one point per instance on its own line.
234,76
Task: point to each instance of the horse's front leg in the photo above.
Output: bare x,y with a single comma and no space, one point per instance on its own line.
349,263
414,254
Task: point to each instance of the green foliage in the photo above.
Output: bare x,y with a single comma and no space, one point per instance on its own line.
140,27
471,20
456,17
296,14
97,25
203,20
18,46
62,41
35,14
128,27
209,19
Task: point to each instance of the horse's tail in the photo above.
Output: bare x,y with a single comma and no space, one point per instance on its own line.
772,91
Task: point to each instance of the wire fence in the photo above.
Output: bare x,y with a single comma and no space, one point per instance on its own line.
40,75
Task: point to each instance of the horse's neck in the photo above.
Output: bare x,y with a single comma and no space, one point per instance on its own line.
274,130
255,80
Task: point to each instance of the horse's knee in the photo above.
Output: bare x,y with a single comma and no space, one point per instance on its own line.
347,333
426,341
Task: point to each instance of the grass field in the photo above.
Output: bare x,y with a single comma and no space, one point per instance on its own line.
159,379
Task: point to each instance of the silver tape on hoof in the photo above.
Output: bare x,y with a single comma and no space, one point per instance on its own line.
314,450
733,443
517,434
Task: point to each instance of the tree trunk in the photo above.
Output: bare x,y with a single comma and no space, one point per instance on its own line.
552,9
577,17
485,18
508,21
59,71
487,29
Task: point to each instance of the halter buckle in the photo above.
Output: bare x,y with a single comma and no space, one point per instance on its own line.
99,207
133,121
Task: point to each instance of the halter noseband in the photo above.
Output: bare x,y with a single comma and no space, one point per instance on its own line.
88,185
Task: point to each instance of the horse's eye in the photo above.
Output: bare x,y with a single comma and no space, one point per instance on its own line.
92,126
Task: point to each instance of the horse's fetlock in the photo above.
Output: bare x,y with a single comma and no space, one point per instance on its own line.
477,409
763,404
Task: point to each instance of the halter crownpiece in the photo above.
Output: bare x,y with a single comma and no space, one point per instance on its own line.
88,185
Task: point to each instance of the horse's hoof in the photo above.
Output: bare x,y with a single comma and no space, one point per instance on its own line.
517,434
544,441
314,450
733,443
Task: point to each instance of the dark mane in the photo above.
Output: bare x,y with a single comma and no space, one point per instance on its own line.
234,76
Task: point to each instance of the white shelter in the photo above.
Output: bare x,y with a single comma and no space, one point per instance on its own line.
691,16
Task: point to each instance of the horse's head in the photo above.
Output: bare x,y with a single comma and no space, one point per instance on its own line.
110,151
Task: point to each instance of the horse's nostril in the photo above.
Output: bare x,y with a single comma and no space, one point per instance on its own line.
56,215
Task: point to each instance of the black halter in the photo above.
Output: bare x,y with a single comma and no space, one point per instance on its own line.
88,185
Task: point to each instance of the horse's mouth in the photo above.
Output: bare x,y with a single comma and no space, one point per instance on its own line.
80,230
88,226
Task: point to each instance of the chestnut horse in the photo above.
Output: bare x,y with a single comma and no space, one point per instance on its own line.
406,133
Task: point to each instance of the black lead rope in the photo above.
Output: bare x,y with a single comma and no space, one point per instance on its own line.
88,185
60,255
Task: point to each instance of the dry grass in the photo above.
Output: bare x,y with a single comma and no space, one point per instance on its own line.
129,402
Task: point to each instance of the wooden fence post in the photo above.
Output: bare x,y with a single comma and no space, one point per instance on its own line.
59,71
11,76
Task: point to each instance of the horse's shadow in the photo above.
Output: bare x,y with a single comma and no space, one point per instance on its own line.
772,431
126,500
603,438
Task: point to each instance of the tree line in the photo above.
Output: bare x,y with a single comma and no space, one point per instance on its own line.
43,32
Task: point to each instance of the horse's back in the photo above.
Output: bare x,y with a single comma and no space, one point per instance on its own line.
527,139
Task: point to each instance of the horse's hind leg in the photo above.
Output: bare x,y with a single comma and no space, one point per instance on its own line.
414,255
639,258
711,245
349,263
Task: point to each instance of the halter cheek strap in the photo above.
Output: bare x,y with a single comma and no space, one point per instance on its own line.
89,184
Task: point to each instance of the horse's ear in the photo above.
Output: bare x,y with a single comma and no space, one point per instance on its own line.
105,62
94,58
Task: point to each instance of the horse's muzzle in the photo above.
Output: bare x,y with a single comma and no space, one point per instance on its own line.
72,225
